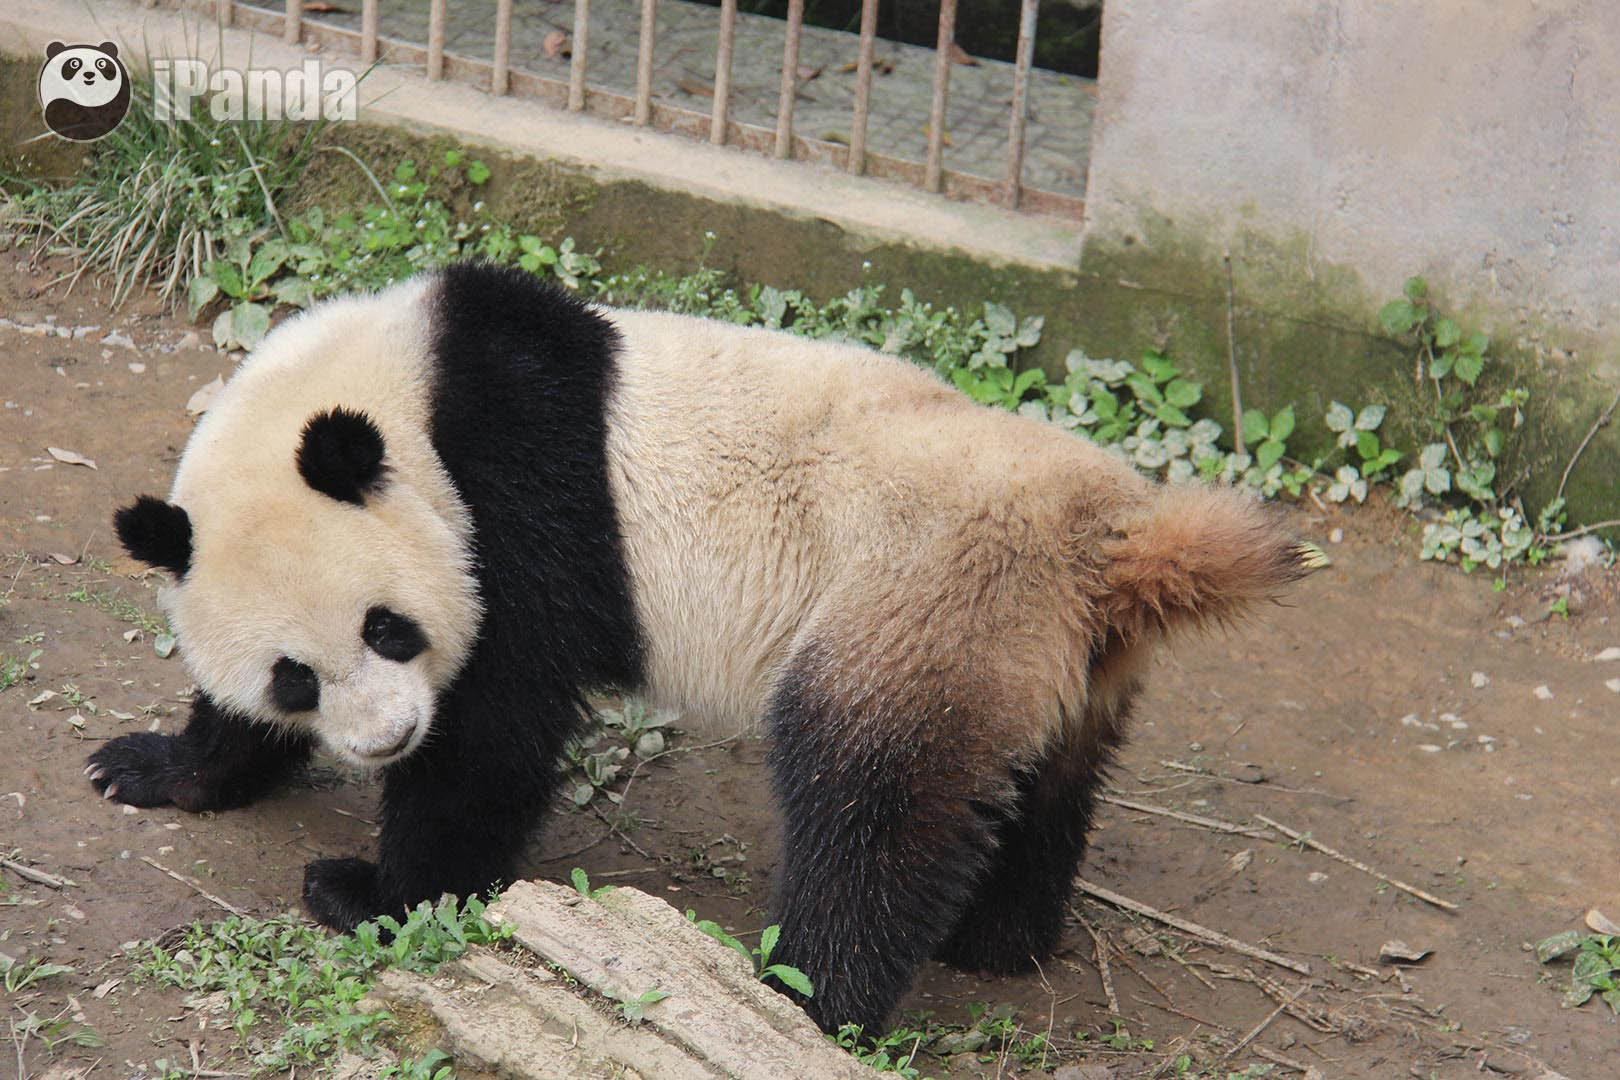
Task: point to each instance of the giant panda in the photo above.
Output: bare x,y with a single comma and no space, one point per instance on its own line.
418,527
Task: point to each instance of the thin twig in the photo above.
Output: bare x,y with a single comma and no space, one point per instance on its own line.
1603,418
1358,864
1191,819
204,893
1311,1071
1102,965
1181,1013
1198,770
1231,359
1584,529
620,833
1262,1025
50,881
1187,926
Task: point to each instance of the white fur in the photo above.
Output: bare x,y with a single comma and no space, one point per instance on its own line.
279,569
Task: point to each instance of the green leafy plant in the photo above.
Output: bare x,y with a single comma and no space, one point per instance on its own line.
582,885
759,958
14,669
18,976
1595,967
291,991
893,1052
635,1009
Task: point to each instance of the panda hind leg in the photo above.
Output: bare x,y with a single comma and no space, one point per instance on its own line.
1016,917
882,848
219,762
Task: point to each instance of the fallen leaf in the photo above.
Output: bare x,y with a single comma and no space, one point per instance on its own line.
41,698
116,715
1611,653
555,45
77,720
1560,944
163,645
111,984
960,56
203,398
65,560
69,457
1241,860
1391,951
131,634
1601,923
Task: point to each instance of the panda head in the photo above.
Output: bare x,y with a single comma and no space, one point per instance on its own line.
323,580
84,90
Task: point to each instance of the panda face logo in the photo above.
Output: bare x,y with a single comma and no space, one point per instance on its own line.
84,90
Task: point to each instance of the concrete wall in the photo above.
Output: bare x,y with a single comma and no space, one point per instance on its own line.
1476,143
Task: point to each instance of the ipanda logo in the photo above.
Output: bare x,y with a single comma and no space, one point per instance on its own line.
83,90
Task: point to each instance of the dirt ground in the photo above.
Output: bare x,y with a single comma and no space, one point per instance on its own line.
1353,714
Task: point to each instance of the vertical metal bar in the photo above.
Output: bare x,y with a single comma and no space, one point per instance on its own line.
435,58
644,61
863,88
790,78
368,32
1023,59
935,171
292,27
499,71
722,71
225,12
576,65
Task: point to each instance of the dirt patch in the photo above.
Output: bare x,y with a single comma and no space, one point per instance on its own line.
1352,713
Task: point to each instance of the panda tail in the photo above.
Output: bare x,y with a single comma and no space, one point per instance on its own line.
1198,556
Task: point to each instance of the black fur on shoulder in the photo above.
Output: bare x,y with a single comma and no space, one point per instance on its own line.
156,532
521,381
341,455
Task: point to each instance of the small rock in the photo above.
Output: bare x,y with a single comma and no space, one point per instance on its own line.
1316,877
138,368
1613,685
1516,622
118,337
1249,773
1429,748
190,341
1543,692
1611,653
1479,680
1336,536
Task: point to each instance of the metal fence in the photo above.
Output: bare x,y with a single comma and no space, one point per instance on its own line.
577,95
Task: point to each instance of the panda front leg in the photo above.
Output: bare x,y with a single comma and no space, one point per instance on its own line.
455,815
219,762
887,830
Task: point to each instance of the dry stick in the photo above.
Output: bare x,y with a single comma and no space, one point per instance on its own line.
204,893
1191,819
1120,952
1584,529
1603,418
1231,358
1358,864
50,881
1102,963
1181,1013
1286,1062
1187,926
1262,1025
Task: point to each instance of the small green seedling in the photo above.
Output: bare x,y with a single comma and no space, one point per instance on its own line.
582,885
758,958
635,1009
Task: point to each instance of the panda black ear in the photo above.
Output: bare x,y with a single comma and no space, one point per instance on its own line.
156,532
341,455
109,48
52,49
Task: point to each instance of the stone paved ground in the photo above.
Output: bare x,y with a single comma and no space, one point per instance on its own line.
1060,114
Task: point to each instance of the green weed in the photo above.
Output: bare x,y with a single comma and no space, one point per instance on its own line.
291,990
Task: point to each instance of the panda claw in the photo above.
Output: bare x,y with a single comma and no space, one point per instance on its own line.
99,774
111,792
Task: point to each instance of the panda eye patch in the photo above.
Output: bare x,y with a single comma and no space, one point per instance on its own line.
393,636
105,67
294,687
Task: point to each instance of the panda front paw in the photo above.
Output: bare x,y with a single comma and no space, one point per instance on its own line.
146,769
341,892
